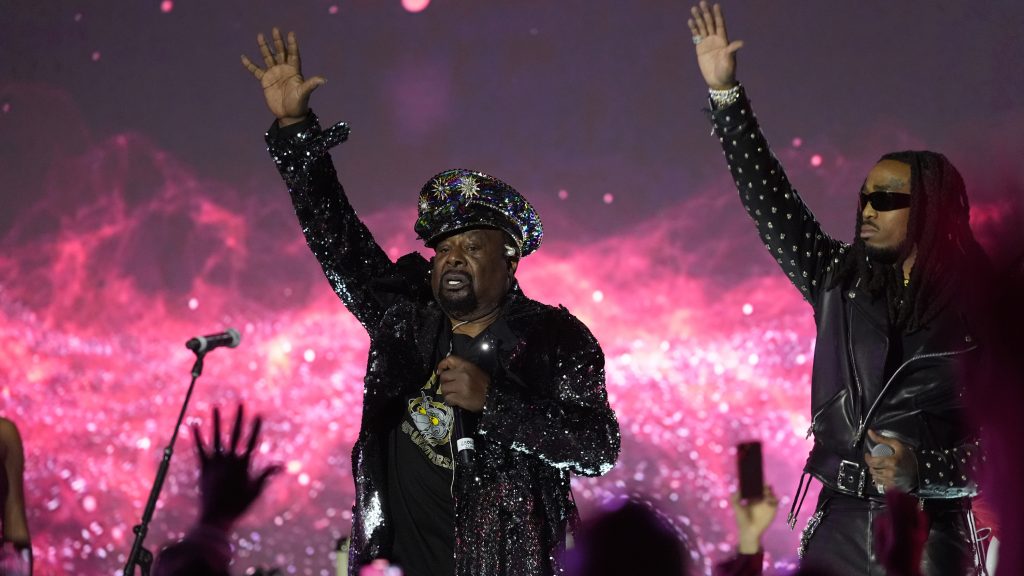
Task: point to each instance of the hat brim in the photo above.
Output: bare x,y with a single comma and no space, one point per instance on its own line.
433,240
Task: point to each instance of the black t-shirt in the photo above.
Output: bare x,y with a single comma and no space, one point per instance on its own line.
421,468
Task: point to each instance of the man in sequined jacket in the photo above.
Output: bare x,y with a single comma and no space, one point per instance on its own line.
454,344
895,336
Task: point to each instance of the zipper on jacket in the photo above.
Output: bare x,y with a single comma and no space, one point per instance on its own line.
814,417
856,377
874,405
849,345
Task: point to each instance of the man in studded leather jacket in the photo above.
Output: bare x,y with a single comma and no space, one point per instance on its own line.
895,337
453,343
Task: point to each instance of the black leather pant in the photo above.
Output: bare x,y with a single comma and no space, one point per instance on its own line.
842,543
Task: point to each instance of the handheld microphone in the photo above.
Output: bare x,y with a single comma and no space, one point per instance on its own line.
485,355
203,344
464,443
882,450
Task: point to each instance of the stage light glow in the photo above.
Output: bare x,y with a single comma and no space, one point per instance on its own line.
415,5
673,364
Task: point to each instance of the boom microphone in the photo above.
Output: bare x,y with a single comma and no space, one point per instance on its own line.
203,344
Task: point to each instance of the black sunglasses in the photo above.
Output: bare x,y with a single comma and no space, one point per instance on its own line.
883,201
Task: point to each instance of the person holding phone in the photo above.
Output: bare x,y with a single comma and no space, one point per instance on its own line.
895,331
754,507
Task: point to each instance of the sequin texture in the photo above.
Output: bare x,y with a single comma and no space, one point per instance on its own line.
459,199
546,414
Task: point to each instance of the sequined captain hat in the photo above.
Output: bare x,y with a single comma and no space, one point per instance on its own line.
460,199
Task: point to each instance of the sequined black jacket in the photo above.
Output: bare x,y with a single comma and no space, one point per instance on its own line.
546,413
920,403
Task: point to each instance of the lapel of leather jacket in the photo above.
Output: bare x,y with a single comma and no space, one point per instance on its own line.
867,339
948,332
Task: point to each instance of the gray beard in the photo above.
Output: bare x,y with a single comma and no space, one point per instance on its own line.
458,308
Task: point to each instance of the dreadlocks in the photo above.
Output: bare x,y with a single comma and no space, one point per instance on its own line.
939,229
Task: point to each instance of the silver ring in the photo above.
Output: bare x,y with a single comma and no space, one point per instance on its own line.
697,38
880,487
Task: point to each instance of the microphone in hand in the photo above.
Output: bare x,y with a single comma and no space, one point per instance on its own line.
464,444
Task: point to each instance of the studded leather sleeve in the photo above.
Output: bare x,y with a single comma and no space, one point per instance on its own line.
949,473
786,226
347,252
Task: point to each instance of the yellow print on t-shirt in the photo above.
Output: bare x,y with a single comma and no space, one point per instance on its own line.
432,418
436,458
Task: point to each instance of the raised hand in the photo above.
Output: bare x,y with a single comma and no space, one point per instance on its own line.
753,517
286,91
716,56
227,487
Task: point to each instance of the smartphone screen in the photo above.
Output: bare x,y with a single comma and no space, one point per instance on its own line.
751,471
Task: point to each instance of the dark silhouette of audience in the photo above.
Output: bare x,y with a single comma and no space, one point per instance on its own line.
900,535
630,537
228,487
995,401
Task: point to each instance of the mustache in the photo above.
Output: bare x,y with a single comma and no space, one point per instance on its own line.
456,274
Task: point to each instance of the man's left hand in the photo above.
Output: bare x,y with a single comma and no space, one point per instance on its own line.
898,470
463,383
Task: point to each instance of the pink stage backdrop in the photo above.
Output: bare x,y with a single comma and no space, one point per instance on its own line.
139,210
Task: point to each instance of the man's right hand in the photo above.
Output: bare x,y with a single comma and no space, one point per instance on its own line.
716,56
286,92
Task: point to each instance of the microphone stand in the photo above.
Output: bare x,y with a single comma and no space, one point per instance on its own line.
140,556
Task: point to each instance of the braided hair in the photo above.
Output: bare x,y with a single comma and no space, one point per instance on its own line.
948,255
